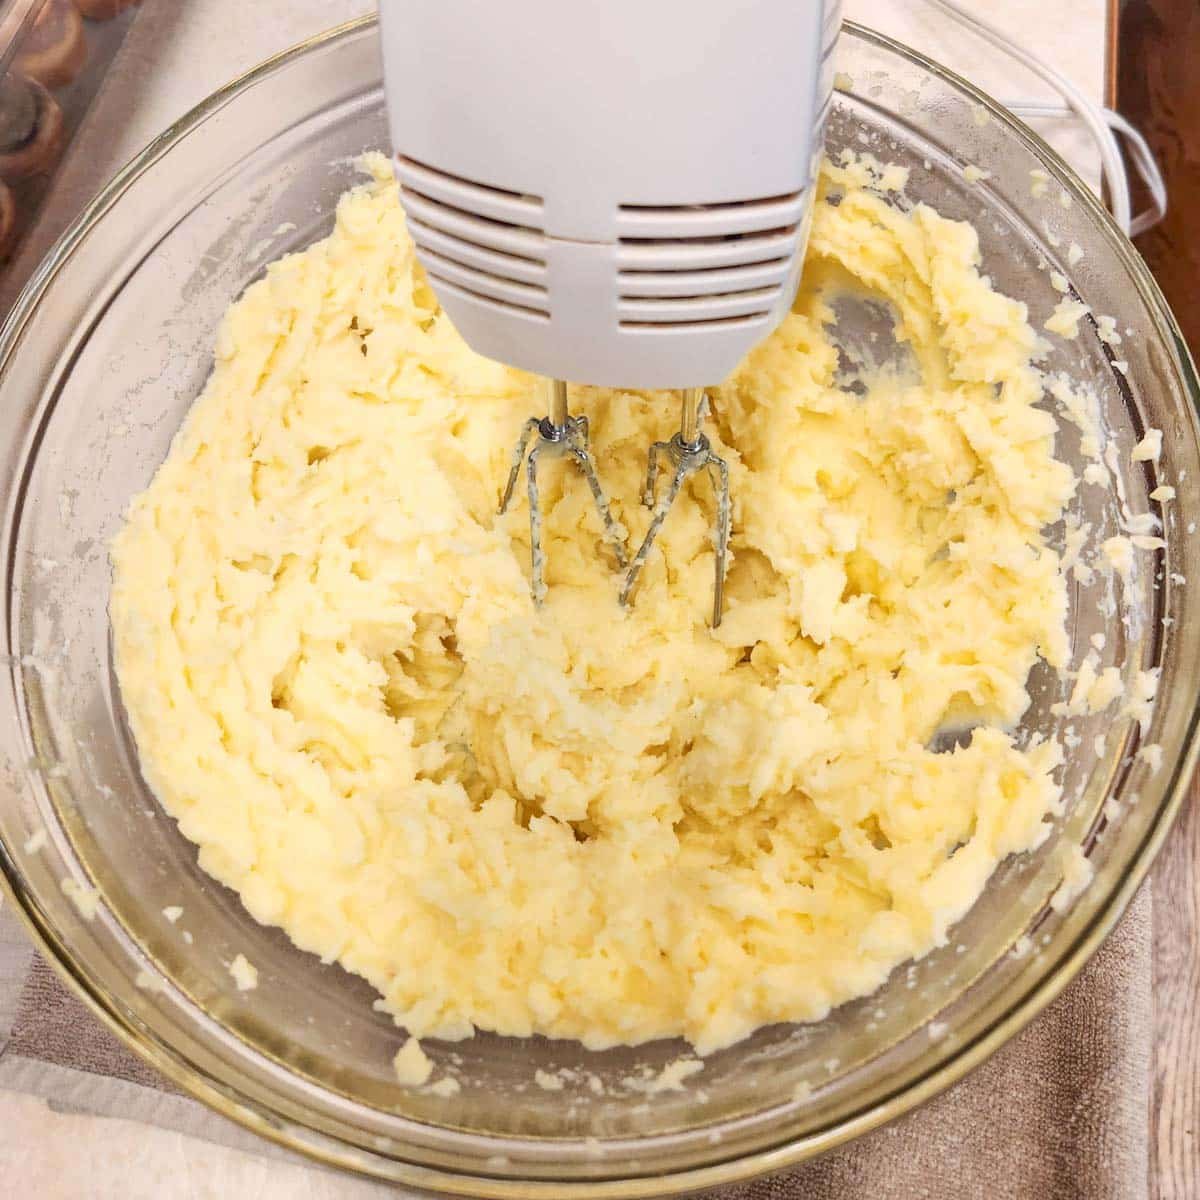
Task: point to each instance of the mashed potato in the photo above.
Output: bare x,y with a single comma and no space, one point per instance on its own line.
581,821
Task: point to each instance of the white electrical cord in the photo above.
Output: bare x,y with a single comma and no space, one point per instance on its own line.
1100,123
1148,169
1139,152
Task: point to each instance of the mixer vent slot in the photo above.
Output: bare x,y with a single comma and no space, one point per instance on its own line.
479,242
701,254
500,288
700,297
474,256
469,196
723,219
683,266
521,240
666,329
526,310
719,206
692,310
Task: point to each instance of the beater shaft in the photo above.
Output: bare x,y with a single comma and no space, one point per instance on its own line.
557,402
689,416
564,434
689,452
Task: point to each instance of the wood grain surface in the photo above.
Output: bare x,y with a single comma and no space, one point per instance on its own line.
1157,85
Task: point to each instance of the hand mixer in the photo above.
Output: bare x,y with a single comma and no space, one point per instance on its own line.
611,192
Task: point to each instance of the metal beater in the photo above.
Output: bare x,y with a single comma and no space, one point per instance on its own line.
689,453
561,433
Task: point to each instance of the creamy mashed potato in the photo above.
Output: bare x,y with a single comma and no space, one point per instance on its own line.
582,821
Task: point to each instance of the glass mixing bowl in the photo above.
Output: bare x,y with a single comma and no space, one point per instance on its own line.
98,363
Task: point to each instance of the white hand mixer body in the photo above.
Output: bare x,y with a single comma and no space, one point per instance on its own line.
612,193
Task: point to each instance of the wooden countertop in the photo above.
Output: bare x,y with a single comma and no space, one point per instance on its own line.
1153,81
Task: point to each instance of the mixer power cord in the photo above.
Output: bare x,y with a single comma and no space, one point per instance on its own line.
1103,123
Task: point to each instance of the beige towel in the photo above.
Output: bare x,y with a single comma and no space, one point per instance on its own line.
1061,1112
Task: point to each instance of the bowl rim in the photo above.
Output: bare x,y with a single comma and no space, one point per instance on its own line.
285,1130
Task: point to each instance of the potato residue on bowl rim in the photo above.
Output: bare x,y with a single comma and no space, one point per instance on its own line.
581,821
